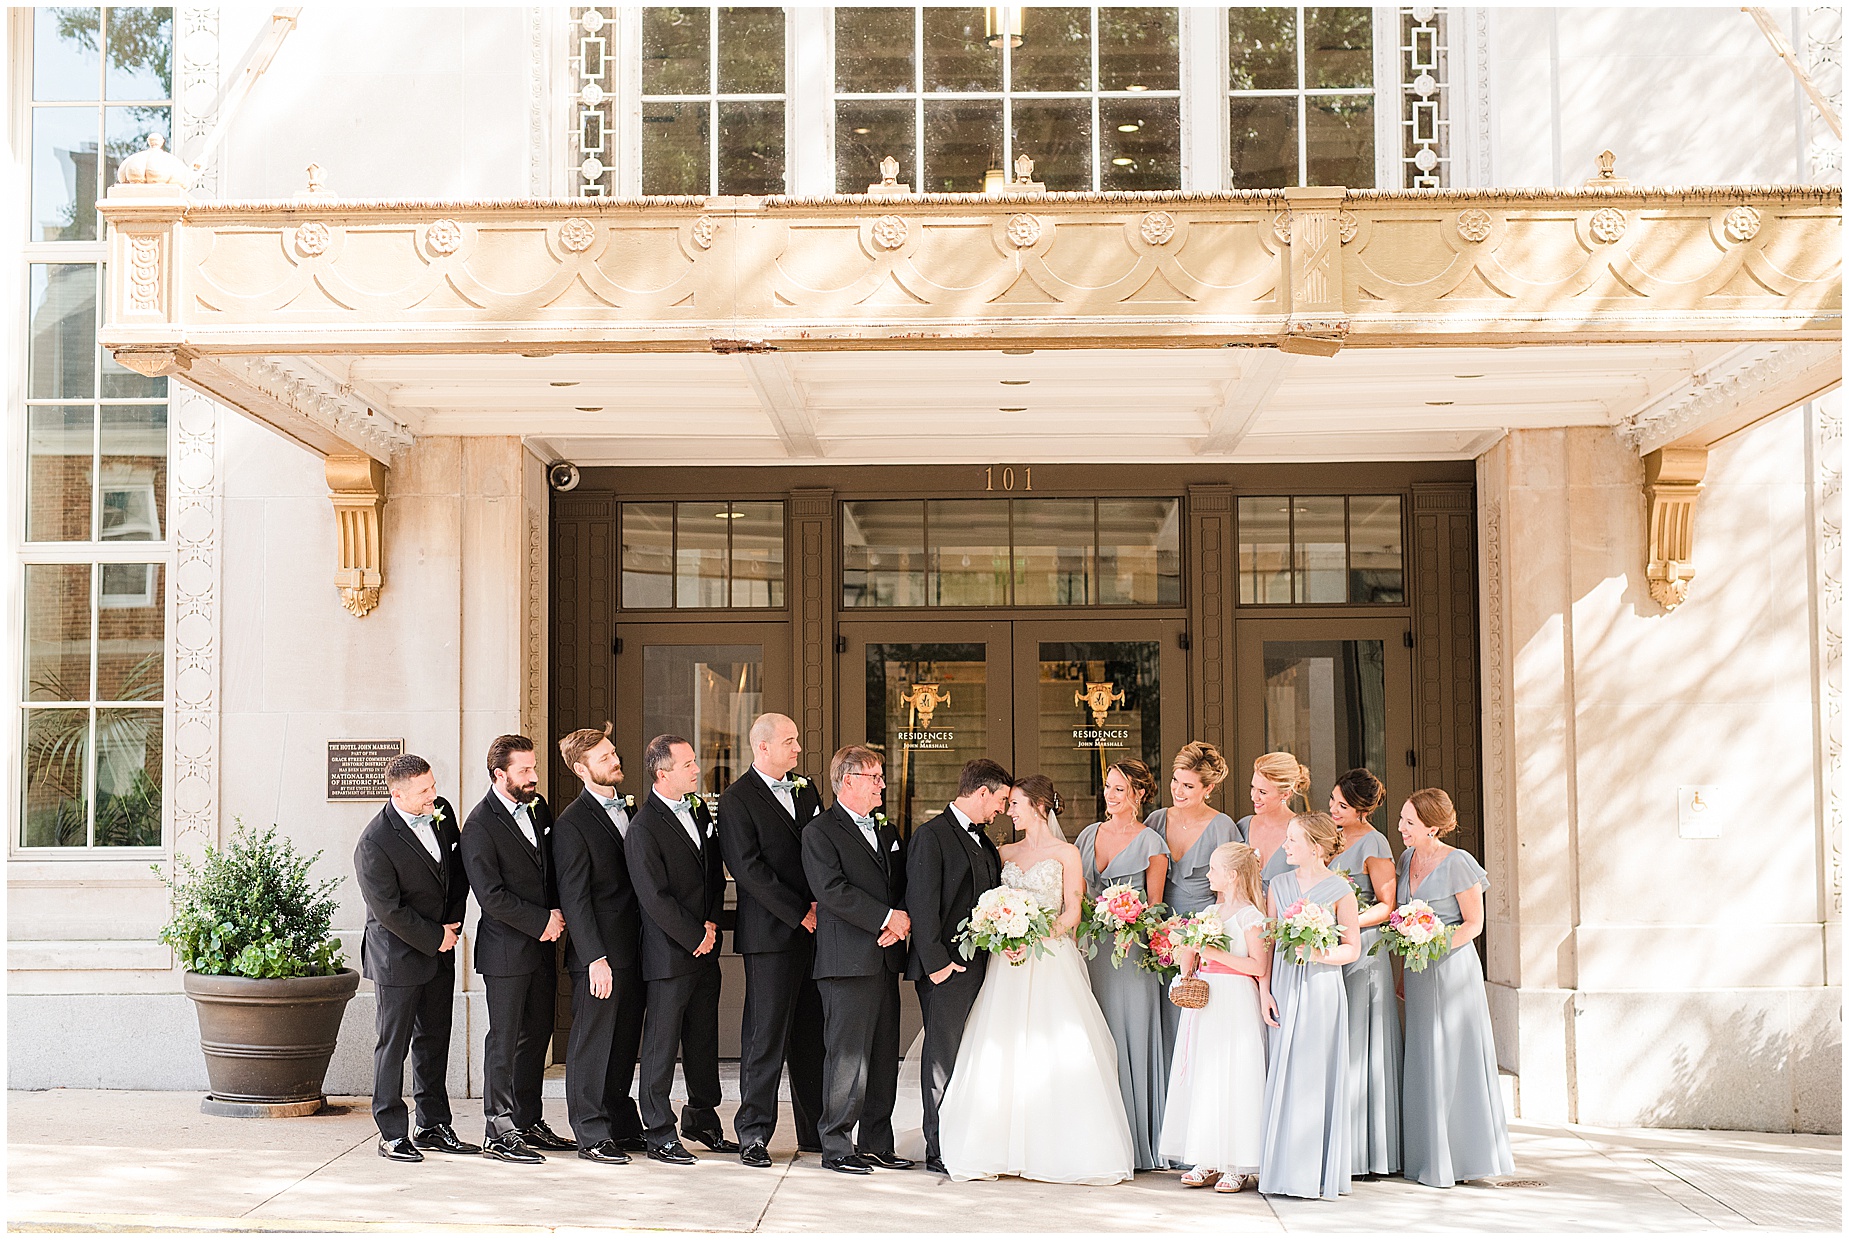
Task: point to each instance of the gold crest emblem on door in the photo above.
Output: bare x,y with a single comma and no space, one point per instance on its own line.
925,698
1098,696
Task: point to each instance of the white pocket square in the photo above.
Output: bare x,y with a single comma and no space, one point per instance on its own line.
895,846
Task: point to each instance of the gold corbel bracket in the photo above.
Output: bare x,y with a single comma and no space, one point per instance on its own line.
1315,228
1672,483
356,485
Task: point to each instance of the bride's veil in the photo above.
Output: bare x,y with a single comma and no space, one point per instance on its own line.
1052,824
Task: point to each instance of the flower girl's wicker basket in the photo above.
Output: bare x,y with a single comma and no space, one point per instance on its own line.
1189,992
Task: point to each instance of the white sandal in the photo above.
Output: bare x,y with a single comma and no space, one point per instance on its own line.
1230,1184
1200,1177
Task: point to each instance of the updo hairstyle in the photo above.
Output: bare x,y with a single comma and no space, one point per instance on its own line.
1141,782
1362,790
1322,833
1433,805
1040,793
1284,772
1203,760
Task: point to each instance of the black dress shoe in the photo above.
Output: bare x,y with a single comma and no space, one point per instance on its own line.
604,1152
755,1155
847,1165
443,1138
541,1137
508,1147
892,1162
673,1152
714,1141
399,1149
936,1166
635,1145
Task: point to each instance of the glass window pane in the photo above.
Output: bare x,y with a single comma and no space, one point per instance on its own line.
1055,51
963,140
1321,542
1264,549
927,712
648,555
957,56
708,695
57,632
883,553
757,554
751,148
1340,140
128,778
674,153
140,54
66,57
1140,142
1338,47
134,472
1053,540
1139,551
126,131
1325,701
1264,142
1139,49
969,552
1262,48
1100,702
64,144
674,51
56,757
1376,572
63,360
131,625
873,50
867,131
61,442
700,555
750,51
1057,134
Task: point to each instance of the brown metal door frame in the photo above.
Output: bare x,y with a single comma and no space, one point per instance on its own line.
994,635
635,637
1172,673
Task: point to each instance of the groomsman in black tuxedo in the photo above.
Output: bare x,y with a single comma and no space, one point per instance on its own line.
857,871
411,878
949,863
680,883
603,952
761,818
507,850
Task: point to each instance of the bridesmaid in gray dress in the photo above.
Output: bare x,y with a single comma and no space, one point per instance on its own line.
1373,1011
1277,778
1192,829
1452,1125
1305,1151
1122,850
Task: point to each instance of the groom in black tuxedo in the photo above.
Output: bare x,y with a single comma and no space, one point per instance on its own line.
857,870
410,875
507,850
949,863
761,821
680,883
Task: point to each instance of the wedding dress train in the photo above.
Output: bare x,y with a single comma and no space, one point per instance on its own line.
1034,1093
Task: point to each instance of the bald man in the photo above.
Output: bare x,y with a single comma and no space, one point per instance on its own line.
761,818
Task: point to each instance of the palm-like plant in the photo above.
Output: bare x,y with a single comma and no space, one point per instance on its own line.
55,750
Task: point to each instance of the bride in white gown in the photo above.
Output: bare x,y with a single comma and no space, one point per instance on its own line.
1034,1093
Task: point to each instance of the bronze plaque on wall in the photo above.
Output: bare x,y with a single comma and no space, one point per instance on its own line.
356,769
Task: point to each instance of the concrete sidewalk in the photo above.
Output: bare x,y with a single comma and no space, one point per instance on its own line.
120,1161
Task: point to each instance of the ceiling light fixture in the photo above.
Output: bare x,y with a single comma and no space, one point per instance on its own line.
1123,161
1004,26
1014,408
1129,128
1441,402
590,408
1136,86
863,130
1476,376
1016,352
728,515
564,383
1016,382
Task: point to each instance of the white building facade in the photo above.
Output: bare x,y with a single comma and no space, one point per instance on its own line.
1304,371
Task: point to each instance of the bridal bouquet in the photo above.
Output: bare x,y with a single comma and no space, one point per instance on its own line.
1415,934
1121,912
1005,920
1304,928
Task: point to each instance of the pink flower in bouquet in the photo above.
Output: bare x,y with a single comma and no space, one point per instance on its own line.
1126,906
1160,947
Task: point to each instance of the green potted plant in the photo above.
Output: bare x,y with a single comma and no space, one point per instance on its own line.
266,977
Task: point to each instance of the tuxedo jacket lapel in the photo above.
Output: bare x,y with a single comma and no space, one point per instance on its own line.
416,845
513,828
769,800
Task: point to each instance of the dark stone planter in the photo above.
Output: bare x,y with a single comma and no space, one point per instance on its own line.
268,1041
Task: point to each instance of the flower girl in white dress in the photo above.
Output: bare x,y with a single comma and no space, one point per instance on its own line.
1216,1085
1034,1092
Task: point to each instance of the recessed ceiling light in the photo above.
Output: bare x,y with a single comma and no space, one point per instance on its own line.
1014,408
1476,376
1016,382
1016,352
564,383
1123,161
1441,402
1136,86
728,515
1129,128
590,408
863,130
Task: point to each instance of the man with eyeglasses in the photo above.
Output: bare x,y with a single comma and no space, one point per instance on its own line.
856,868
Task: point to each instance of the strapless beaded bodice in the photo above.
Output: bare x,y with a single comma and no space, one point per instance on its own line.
1045,881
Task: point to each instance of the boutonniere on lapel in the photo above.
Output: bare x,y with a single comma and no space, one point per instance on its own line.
694,801
436,816
879,820
629,805
799,783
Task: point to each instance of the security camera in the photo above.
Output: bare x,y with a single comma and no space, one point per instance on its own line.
563,476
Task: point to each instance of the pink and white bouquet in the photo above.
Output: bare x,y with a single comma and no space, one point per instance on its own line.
1415,934
1198,930
1008,921
1121,912
1305,928
1160,958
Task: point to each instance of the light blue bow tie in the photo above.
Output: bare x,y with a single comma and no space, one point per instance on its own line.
612,803
782,785
684,804
865,824
418,820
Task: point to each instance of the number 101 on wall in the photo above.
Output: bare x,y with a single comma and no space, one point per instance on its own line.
1007,478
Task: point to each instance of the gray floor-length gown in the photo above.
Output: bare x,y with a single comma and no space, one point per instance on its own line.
1131,997
1373,1032
1306,1083
1452,1122
1188,891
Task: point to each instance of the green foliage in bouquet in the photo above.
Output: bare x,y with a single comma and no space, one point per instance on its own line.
250,910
